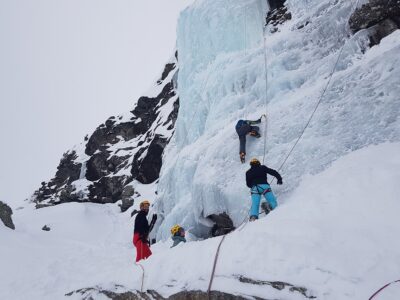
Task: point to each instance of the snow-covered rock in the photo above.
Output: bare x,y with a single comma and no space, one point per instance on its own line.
382,17
5,215
120,154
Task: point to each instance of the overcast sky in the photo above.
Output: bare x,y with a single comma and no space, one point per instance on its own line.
65,67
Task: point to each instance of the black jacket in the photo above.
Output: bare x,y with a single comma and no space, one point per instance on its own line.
141,224
258,175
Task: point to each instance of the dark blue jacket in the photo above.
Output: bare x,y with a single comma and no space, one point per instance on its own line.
243,127
141,224
257,174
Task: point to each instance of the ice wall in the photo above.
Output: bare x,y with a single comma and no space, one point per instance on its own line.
212,31
222,79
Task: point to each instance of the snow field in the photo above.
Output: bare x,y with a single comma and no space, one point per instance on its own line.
88,244
337,235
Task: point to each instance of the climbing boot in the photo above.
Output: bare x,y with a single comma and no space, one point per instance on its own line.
255,134
266,207
252,218
242,157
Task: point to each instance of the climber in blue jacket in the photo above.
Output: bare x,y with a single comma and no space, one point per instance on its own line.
243,128
178,235
256,180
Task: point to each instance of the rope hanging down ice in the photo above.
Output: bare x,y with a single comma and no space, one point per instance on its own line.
266,93
320,98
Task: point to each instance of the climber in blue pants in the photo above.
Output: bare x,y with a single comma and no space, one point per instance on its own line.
256,180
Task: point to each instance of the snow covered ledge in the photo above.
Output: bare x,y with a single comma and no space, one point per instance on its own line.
337,235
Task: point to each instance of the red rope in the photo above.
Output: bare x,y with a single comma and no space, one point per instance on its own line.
214,266
382,288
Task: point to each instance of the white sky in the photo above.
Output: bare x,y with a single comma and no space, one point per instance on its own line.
65,67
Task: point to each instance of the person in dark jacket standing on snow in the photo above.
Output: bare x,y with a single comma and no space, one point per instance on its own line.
243,128
142,230
256,180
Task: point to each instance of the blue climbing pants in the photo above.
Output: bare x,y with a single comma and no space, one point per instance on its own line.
256,193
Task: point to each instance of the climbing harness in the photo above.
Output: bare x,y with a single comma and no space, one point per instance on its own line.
382,288
262,192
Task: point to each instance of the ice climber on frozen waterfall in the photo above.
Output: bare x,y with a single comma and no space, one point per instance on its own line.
256,180
142,230
243,128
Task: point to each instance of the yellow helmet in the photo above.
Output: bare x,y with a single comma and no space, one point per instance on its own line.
254,161
175,229
143,203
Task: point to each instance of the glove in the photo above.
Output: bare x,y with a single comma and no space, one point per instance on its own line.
154,218
279,181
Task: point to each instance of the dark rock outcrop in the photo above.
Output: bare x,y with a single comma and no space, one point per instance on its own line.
380,17
149,168
46,228
277,14
278,285
126,197
222,224
121,293
107,189
67,171
93,293
168,68
5,215
121,150
274,4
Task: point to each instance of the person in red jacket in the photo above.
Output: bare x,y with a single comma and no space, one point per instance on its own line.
142,230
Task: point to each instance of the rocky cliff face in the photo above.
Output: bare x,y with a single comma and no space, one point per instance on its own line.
277,14
5,215
122,150
380,17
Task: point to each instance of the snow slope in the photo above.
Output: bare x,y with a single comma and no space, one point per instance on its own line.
336,229
88,244
337,235
222,79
